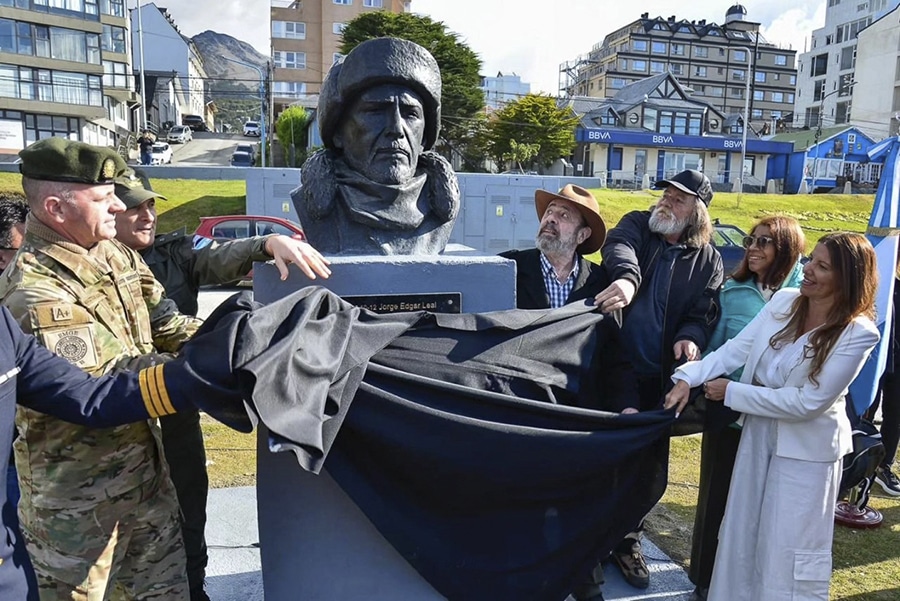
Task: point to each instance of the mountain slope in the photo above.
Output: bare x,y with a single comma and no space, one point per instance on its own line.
213,46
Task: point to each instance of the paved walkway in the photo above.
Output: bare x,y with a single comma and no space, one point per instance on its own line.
234,566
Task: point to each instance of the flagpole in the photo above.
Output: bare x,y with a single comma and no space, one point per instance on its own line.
144,99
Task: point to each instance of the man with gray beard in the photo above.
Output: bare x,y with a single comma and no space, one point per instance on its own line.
556,272
666,277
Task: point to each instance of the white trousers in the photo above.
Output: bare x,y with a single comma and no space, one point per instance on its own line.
775,539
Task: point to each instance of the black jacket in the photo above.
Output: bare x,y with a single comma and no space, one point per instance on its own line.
531,293
631,251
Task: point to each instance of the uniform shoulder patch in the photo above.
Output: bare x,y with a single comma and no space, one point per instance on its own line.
66,330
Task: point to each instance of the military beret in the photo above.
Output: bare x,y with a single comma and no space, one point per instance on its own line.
373,63
133,188
61,160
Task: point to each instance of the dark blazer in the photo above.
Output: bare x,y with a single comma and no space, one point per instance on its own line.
531,293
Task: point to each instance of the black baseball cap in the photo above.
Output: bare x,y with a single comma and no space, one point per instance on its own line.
691,181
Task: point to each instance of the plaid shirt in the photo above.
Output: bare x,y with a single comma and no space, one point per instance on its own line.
556,292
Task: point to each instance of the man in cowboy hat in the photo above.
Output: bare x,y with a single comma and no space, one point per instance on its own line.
376,189
556,272
666,272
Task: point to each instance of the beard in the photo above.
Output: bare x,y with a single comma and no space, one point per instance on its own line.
664,222
550,242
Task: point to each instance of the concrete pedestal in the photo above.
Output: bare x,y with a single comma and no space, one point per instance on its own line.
315,543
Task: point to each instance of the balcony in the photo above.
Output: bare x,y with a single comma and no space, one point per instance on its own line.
295,4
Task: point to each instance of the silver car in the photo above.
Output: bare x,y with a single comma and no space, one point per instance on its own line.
179,134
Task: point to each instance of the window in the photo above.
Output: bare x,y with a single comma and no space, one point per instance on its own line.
793,80
115,8
659,48
677,49
24,38
777,96
819,90
819,65
756,114
845,85
699,71
758,95
113,39
780,60
701,51
50,86
338,28
650,119
344,2
790,98
623,64
289,60
848,57
639,45
617,83
373,3
639,65
115,74
842,112
760,77
677,69
288,89
740,56
736,92
738,74
716,91
657,67
291,30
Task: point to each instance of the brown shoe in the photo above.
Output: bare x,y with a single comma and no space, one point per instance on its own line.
633,567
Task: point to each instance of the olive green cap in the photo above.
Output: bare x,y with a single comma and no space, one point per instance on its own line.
62,160
133,188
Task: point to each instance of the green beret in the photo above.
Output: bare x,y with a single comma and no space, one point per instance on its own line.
61,160
133,188
373,63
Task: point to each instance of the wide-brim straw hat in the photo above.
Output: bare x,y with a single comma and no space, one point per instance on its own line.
588,206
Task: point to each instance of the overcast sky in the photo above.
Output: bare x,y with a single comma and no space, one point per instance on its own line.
512,39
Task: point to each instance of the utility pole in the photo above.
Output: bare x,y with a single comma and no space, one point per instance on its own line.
144,99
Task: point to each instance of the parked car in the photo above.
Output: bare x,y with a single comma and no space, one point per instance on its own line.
195,122
241,159
728,240
246,147
251,128
180,134
232,227
160,154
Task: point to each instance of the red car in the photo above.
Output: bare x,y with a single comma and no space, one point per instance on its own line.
231,227
244,226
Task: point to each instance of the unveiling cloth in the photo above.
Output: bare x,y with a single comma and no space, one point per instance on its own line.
474,442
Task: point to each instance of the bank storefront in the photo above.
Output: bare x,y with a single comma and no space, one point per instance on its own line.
624,157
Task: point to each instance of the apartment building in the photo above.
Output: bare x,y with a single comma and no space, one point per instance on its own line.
827,72
64,71
174,77
503,89
876,93
715,63
306,39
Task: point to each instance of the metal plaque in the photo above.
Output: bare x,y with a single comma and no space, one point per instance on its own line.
436,302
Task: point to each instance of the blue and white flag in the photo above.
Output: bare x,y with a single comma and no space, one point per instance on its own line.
884,227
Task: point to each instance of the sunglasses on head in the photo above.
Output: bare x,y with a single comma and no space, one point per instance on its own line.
760,241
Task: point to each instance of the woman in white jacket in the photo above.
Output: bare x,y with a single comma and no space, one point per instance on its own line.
799,355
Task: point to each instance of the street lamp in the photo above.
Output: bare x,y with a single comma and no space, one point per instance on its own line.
262,100
747,77
815,173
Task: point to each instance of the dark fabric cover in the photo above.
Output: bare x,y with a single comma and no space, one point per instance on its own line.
466,442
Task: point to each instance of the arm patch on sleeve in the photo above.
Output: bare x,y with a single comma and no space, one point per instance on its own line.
66,330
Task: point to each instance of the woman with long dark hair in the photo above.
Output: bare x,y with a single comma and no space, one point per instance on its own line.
771,262
799,355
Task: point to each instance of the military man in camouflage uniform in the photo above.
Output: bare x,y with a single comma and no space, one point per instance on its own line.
98,510
182,269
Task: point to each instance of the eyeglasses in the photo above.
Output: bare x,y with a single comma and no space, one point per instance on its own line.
759,241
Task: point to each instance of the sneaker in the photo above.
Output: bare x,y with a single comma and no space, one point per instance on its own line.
888,481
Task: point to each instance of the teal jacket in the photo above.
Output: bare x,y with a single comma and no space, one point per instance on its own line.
740,302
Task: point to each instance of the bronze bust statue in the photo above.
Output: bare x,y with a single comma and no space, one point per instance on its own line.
377,188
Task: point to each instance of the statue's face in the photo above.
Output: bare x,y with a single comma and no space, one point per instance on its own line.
382,133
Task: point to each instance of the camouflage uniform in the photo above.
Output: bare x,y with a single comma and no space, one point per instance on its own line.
98,509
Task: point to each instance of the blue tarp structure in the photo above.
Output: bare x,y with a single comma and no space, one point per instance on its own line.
882,233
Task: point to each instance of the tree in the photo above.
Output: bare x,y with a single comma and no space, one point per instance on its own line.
533,123
291,129
461,97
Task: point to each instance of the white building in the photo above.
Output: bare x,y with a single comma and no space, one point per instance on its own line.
876,94
826,72
174,76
